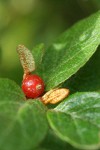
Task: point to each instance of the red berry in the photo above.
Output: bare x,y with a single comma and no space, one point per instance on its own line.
33,86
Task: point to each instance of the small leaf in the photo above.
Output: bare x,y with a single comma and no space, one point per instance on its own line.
38,52
77,120
71,51
22,125
10,91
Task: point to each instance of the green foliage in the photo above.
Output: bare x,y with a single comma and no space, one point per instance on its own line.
52,142
88,77
9,90
71,51
22,124
75,122
38,52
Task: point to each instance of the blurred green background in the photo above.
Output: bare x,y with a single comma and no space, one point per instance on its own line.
31,22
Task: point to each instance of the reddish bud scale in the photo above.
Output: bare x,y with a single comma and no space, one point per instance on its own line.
32,86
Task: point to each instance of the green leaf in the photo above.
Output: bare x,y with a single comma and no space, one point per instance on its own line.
87,78
38,52
71,51
10,91
77,120
22,125
52,142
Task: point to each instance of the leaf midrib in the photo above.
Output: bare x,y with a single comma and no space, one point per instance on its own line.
64,62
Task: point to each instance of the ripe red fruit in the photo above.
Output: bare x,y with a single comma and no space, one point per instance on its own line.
32,86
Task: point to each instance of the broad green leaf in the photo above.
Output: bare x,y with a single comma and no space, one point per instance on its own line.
10,91
77,120
22,125
87,78
71,51
52,142
38,52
